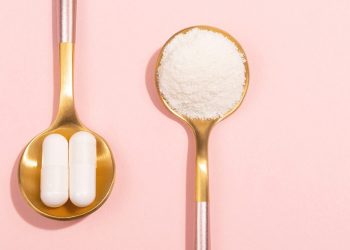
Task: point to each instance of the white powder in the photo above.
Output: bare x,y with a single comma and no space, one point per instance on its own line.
201,74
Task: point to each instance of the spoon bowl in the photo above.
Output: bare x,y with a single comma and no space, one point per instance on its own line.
30,168
197,122
201,129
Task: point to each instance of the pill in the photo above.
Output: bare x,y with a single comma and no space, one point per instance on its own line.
82,169
54,171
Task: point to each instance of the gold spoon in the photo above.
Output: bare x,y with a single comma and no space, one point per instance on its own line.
66,123
201,130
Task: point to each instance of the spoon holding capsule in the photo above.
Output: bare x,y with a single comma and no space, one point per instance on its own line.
66,123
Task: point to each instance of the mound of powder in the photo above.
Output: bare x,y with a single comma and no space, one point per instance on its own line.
201,74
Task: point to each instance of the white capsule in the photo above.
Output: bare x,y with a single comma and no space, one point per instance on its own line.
82,167
54,171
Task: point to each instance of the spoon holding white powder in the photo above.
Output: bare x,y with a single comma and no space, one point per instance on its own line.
201,74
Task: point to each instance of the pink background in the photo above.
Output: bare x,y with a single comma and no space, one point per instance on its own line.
280,166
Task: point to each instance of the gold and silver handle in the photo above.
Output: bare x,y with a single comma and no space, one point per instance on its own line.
66,110
202,185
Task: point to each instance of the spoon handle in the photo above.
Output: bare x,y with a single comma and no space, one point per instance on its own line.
67,21
66,111
202,131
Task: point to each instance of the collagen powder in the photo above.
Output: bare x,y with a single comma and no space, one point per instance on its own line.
201,74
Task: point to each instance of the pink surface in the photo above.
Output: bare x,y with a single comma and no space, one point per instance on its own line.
280,175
